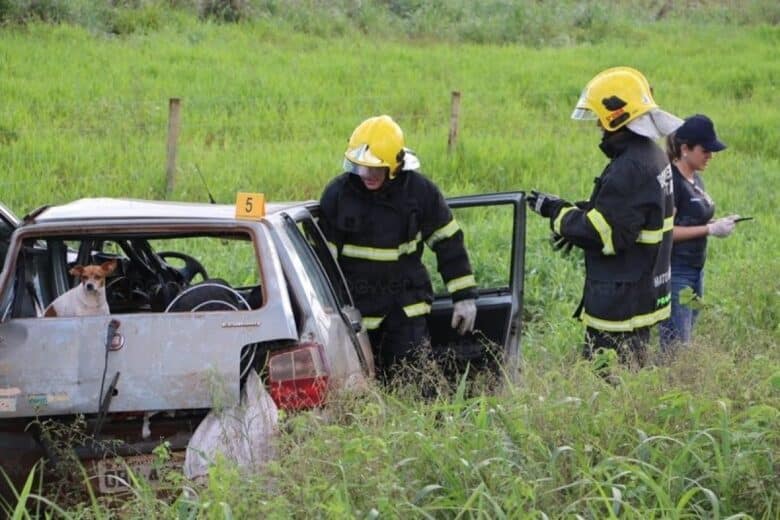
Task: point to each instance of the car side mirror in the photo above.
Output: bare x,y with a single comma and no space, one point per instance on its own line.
357,325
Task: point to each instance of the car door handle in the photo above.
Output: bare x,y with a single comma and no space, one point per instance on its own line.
114,340
117,342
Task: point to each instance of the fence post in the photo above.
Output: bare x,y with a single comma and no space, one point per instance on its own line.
452,140
174,125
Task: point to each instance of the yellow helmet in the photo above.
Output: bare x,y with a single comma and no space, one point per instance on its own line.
616,97
376,142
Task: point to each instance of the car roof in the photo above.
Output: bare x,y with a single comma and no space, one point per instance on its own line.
110,208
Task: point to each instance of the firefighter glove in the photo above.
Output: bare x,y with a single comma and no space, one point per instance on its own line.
561,243
464,314
546,204
722,227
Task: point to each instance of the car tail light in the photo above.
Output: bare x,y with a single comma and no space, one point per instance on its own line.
298,377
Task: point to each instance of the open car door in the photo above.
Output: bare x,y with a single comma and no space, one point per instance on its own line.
494,233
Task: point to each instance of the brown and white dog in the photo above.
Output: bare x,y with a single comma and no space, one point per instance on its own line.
88,298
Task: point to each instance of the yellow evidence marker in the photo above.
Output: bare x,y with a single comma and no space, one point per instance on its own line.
250,205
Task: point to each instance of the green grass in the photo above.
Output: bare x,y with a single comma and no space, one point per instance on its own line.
268,104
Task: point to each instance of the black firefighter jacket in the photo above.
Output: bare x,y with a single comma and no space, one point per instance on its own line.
625,229
377,237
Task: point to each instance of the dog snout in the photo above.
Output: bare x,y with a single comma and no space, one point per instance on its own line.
90,286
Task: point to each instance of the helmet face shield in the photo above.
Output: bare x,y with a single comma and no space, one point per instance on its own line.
581,111
362,155
372,176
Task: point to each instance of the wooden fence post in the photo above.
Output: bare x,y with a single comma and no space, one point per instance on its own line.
452,140
174,126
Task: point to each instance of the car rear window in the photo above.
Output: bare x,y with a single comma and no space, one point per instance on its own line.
217,271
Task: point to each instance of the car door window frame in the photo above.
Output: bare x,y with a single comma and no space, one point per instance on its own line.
323,254
296,234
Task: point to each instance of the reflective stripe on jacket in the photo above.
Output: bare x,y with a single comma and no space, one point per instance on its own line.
625,229
378,237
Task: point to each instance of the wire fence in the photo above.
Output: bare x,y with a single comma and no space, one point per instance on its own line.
13,132
134,148
258,118
102,115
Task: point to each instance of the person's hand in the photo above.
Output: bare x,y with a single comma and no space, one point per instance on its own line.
561,243
722,227
464,314
545,204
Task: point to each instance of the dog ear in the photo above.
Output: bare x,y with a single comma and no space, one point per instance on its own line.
76,270
108,266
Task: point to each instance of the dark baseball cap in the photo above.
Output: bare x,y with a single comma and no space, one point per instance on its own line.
698,129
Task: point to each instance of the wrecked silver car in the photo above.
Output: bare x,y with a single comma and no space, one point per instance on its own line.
199,300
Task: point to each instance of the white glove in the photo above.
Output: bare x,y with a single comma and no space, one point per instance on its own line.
464,314
722,227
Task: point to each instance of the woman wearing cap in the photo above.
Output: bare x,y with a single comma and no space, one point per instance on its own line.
690,149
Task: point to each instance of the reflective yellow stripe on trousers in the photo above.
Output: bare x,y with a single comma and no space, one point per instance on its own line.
635,322
411,311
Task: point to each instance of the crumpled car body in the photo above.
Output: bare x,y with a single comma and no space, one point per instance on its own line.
200,300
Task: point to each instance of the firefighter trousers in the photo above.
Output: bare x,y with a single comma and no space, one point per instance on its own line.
399,340
631,346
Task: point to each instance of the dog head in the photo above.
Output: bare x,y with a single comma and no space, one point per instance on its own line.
93,277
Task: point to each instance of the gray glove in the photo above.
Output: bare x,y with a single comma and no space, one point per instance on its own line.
722,227
464,314
545,204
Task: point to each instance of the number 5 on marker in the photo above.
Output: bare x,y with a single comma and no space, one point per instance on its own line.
250,205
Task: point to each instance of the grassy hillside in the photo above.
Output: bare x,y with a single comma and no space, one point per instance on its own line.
267,105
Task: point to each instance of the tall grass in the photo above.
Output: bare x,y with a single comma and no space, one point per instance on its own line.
562,444
268,104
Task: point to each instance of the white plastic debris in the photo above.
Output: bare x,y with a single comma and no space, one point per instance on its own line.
243,434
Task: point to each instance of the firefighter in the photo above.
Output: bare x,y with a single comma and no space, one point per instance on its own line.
376,217
625,227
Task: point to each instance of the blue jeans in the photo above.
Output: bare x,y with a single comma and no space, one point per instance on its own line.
677,329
